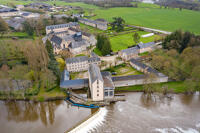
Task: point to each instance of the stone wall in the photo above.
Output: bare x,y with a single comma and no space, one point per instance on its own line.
136,80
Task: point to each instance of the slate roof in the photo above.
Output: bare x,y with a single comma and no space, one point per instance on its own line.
57,40
139,64
133,50
83,33
94,73
102,20
93,59
108,83
77,59
93,54
146,45
82,58
61,25
61,16
147,68
92,21
130,77
77,44
78,83
4,9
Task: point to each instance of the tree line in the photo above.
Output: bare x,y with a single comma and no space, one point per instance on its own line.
191,5
180,59
33,62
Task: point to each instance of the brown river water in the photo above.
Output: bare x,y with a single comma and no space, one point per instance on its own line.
181,114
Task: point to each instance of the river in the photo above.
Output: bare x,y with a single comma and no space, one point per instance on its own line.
181,114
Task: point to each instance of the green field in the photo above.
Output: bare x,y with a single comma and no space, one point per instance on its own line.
121,42
147,15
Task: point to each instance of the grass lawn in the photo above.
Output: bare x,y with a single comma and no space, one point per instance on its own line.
78,75
123,70
143,54
79,55
177,87
97,51
90,29
121,42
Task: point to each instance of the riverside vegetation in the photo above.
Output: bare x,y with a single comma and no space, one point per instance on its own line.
29,61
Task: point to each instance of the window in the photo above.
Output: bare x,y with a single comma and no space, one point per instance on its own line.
97,94
106,93
97,90
111,93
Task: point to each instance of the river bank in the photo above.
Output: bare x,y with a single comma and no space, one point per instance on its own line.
60,94
181,113
171,87
55,94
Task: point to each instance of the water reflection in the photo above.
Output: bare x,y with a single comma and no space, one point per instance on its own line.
137,114
155,100
44,117
31,111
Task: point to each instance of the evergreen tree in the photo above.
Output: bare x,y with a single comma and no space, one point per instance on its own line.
53,64
103,44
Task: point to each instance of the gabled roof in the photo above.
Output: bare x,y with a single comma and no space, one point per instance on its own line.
92,21
83,33
61,25
57,40
146,45
147,68
61,16
93,59
77,59
133,50
108,83
76,44
5,9
94,73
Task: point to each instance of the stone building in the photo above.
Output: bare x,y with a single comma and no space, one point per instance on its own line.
96,83
146,47
109,88
77,64
129,53
60,27
68,36
100,84
8,12
58,43
87,36
93,23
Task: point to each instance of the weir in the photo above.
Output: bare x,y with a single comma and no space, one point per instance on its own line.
90,123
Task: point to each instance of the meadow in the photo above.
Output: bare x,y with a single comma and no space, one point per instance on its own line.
147,15
123,41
